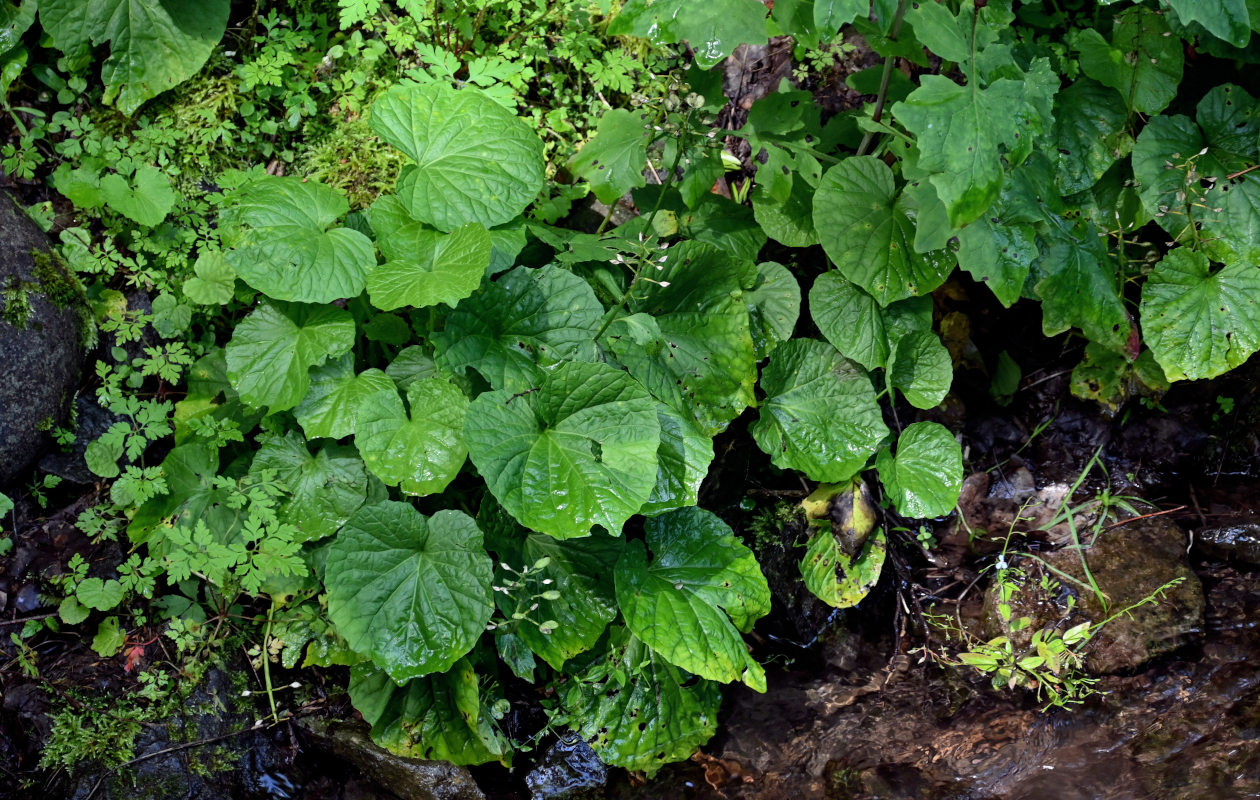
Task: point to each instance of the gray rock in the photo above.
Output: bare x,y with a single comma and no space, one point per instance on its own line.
570,770
44,325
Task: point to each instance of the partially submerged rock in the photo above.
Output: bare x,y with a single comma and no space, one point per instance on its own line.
569,770
44,325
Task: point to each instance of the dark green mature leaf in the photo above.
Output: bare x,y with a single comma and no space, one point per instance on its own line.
284,244
575,451
1142,61
15,20
1090,133
154,44
411,592
525,320
921,369
324,489
1077,289
820,415
679,603
1200,323
962,131
331,405
925,477
613,161
1225,19
636,709
682,463
272,349
713,30
831,15
999,252
855,325
866,231
688,338
424,267
189,470
438,716
421,451
789,222
774,305
475,161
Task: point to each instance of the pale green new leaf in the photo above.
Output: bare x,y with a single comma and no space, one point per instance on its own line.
713,30
214,282
272,349
820,415
1142,62
99,594
425,267
865,229
324,489
525,320
636,709
925,477
154,44
576,451
284,243
331,405
475,161
613,161
421,452
409,591
147,199
438,716
679,604
774,305
1198,322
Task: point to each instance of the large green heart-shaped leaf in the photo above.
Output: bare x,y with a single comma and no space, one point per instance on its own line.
284,244
921,369
154,44
713,30
855,324
331,405
527,319
682,463
865,229
680,602
636,709
272,349
324,489
820,415
578,570
421,451
424,267
1078,289
576,451
788,221
774,305
612,162
688,338
1142,61
1199,322
475,161
411,592
435,717
925,477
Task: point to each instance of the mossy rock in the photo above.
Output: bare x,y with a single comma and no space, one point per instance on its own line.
44,324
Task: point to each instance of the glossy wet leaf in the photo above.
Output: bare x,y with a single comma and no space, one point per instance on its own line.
612,162
575,451
682,463
865,230
921,369
820,415
654,715
924,478
285,243
713,30
324,488
1200,322
153,44
999,252
272,349
474,161
418,448
1090,132
1142,61
835,578
690,603
424,267
438,716
412,592
774,304
853,322
331,405
524,320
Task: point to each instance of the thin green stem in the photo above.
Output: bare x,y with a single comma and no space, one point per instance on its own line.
886,79
266,660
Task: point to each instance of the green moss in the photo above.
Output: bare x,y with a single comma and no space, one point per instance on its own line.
57,281
17,303
351,158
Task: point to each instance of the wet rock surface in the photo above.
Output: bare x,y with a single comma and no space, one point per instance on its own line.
41,340
569,770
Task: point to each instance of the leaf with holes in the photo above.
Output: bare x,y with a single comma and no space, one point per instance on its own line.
1077,289
612,162
409,591
1090,133
1142,62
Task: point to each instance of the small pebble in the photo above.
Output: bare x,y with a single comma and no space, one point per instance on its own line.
27,599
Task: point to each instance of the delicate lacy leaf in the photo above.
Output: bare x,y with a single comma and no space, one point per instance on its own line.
679,603
324,489
331,406
421,451
272,349
576,451
411,592
713,30
1200,323
475,161
820,415
925,477
613,161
